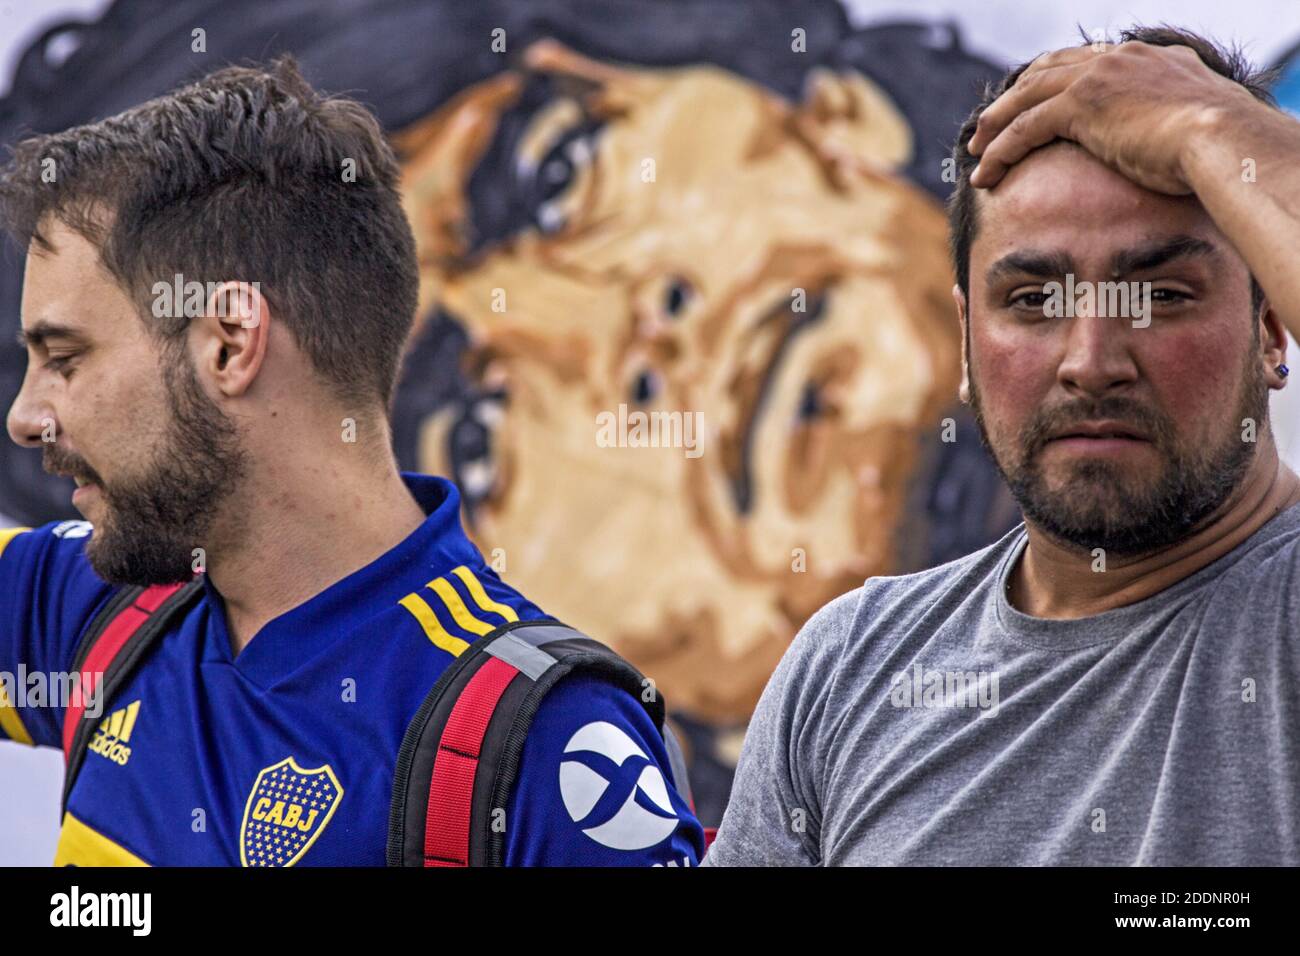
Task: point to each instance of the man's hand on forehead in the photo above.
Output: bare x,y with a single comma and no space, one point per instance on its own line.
1134,106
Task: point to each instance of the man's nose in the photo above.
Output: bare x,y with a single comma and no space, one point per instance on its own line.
1097,355
31,420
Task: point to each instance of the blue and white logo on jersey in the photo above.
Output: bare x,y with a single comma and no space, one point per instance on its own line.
73,529
613,791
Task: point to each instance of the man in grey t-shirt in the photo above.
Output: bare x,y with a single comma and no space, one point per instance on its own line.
1117,681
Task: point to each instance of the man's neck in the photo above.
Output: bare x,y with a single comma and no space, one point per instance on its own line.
1053,580
301,528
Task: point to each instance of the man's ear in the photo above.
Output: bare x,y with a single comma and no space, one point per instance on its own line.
1273,339
963,390
850,119
233,336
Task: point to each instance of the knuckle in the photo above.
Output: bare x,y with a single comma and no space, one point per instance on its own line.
1103,68
1021,124
1050,58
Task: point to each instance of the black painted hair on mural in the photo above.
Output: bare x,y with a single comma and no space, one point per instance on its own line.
963,220
247,175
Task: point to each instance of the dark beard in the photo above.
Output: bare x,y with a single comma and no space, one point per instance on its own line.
1098,507
153,523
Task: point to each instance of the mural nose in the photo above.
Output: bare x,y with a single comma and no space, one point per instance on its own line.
752,385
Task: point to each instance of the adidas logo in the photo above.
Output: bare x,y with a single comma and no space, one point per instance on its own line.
113,733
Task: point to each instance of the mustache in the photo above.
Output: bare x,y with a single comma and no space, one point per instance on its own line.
1123,410
57,461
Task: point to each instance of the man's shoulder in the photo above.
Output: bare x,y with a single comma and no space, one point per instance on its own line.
594,783
962,571
893,599
55,541
48,594
453,609
45,570
1267,563
1274,542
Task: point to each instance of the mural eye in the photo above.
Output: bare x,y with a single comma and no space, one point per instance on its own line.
810,402
645,388
473,462
676,296
556,175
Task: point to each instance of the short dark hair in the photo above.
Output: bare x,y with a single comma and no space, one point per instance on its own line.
247,175
962,219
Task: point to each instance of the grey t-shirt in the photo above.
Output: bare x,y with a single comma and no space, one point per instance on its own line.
923,720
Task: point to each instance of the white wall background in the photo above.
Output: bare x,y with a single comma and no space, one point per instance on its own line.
1018,30
1012,30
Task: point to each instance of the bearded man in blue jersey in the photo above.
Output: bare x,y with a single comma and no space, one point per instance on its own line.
218,289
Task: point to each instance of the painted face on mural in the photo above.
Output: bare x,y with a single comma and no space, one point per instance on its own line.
694,245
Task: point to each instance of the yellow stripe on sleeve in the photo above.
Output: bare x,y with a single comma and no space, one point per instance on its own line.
8,534
432,628
79,845
459,612
475,588
10,723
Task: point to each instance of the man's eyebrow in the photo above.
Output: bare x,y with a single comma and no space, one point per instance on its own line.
1158,253
1138,259
37,335
1030,262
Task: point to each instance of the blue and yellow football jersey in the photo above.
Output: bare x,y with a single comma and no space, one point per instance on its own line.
285,754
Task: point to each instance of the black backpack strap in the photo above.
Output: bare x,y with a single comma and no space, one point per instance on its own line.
116,641
460,754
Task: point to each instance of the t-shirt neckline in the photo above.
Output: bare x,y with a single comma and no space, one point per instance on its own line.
1110,626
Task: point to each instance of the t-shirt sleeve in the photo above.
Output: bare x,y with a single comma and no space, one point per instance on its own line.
774,815
596,786
48,594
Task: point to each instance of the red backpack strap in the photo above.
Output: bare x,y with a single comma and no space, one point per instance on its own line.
460,754
109,650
